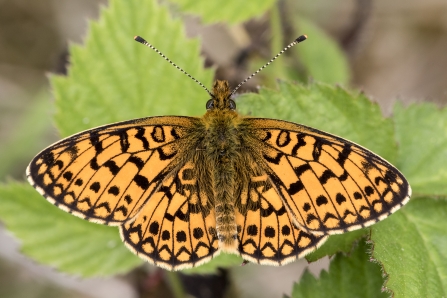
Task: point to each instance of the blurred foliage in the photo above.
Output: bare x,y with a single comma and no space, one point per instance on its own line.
231,11
112,78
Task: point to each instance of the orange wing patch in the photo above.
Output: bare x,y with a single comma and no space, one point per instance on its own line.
328,184
176,229
266,232
106,174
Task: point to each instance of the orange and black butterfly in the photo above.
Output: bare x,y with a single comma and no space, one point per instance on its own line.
184,189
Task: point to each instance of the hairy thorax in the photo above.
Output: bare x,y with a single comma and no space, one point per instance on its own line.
221,134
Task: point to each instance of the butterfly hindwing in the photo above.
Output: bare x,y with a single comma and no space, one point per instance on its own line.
106,174
176,229
266,232
329,185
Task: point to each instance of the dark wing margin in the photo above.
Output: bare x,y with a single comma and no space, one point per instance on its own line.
329,185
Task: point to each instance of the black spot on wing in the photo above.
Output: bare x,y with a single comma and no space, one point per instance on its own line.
140,135
252,230
301,169
267,137
94,164
327,174
96,186
59,163
340,198
128,199
136,161
197,233
163,155
114,190
67,175
317,150
94,140
48,158
369,190
285,230
158,134
306,207
344,176
174,134
295,187
141,181
111,165
344,154
283,138
299,144
180,236
124,139
154,227
122,209
321,200
275,159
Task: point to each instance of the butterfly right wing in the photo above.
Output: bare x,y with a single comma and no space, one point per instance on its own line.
106,174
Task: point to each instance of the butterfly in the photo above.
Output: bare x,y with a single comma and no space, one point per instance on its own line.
183,189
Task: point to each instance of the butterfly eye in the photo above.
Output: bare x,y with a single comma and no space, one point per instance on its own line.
232,105
210,104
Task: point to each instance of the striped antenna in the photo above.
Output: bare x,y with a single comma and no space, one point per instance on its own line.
296,41
143,41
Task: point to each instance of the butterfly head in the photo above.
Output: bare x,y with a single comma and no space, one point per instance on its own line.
221,97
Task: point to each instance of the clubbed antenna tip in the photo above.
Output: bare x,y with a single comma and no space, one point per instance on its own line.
140,39
301,38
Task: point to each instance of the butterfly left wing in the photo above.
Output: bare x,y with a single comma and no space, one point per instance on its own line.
106,174
176,229
329,185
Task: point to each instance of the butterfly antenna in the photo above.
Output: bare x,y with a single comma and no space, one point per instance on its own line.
296,41
143,41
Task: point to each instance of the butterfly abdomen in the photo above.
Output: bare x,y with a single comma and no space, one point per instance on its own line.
223,182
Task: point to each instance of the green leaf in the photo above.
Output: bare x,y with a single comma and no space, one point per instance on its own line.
412,249
336,244
51,236
421,132
322,57
332,109
348,276
231,11
114,78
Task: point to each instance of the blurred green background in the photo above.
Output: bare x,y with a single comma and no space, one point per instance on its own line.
396,51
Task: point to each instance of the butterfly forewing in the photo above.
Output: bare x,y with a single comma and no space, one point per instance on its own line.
266,232
328,184
176,229
106,174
